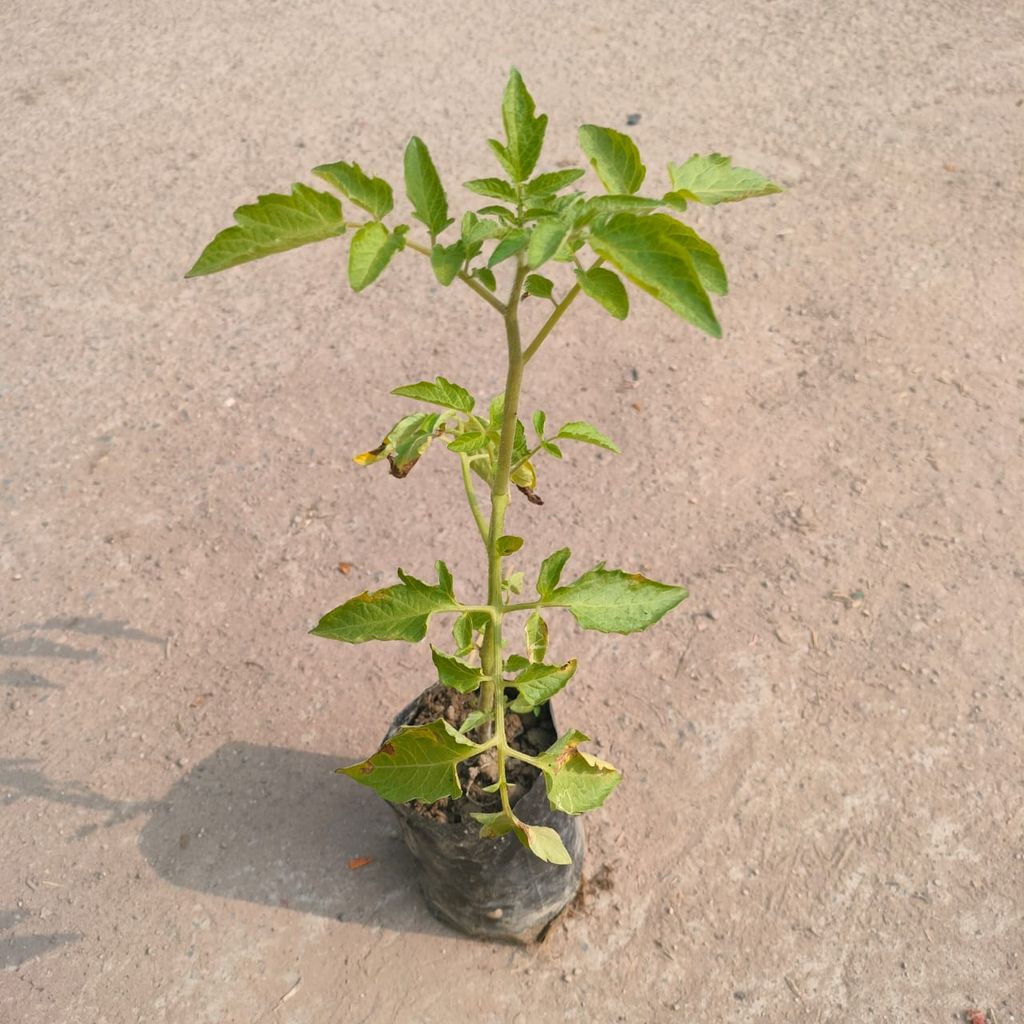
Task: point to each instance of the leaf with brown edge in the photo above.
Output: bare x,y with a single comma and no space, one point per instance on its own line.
420,762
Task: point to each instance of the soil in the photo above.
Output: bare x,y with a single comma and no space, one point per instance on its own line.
531,734
821,819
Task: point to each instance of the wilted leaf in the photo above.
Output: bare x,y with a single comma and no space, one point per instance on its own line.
536,630
576,782
539,683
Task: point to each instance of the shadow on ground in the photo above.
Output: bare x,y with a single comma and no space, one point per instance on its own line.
277,827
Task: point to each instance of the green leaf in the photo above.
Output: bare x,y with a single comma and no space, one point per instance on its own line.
539,683
552,182
371,251
605,286
494,824
469,442
508,247
575,781
651,252
404,444
474,720
542,842
447,260
551,571
454,673
400,612
465,626
439,392
274,223
501,212
611,601
705,257
614,157
536,630
523,130
417,763
545,241
493,188
539,420
514,583
371,194
424,189
551,449
606,206
504,157
539,286
486,278
444,579
578,430
516,663
712,180
509,544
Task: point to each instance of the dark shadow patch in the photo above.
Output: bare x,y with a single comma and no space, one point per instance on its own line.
16,950
277,827
40,647
23,679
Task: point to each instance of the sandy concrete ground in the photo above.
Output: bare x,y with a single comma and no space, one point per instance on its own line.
823,809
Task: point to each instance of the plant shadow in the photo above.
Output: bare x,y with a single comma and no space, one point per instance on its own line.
277,827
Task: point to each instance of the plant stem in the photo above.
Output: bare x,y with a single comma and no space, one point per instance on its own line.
474,505
556,315
473,283
491,696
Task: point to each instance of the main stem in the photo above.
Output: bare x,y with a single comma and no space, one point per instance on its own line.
490,695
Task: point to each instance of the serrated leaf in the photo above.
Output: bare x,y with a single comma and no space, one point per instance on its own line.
444,579
545,240
536,630
418,763
539,683
576,782
446,261
424,189
465,626
454,673
486,278
493,188
370,252
649,251
503,156
579,430
552,182
704,255
469,442
508,545
440,391
612,601
507,247
614,157
524,130
551,571
399,612
712,180
371,194
501,213
538,286
605,286
274,223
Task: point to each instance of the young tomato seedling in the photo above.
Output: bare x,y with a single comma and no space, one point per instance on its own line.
531,222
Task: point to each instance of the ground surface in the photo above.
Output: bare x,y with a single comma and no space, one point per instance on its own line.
823,812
